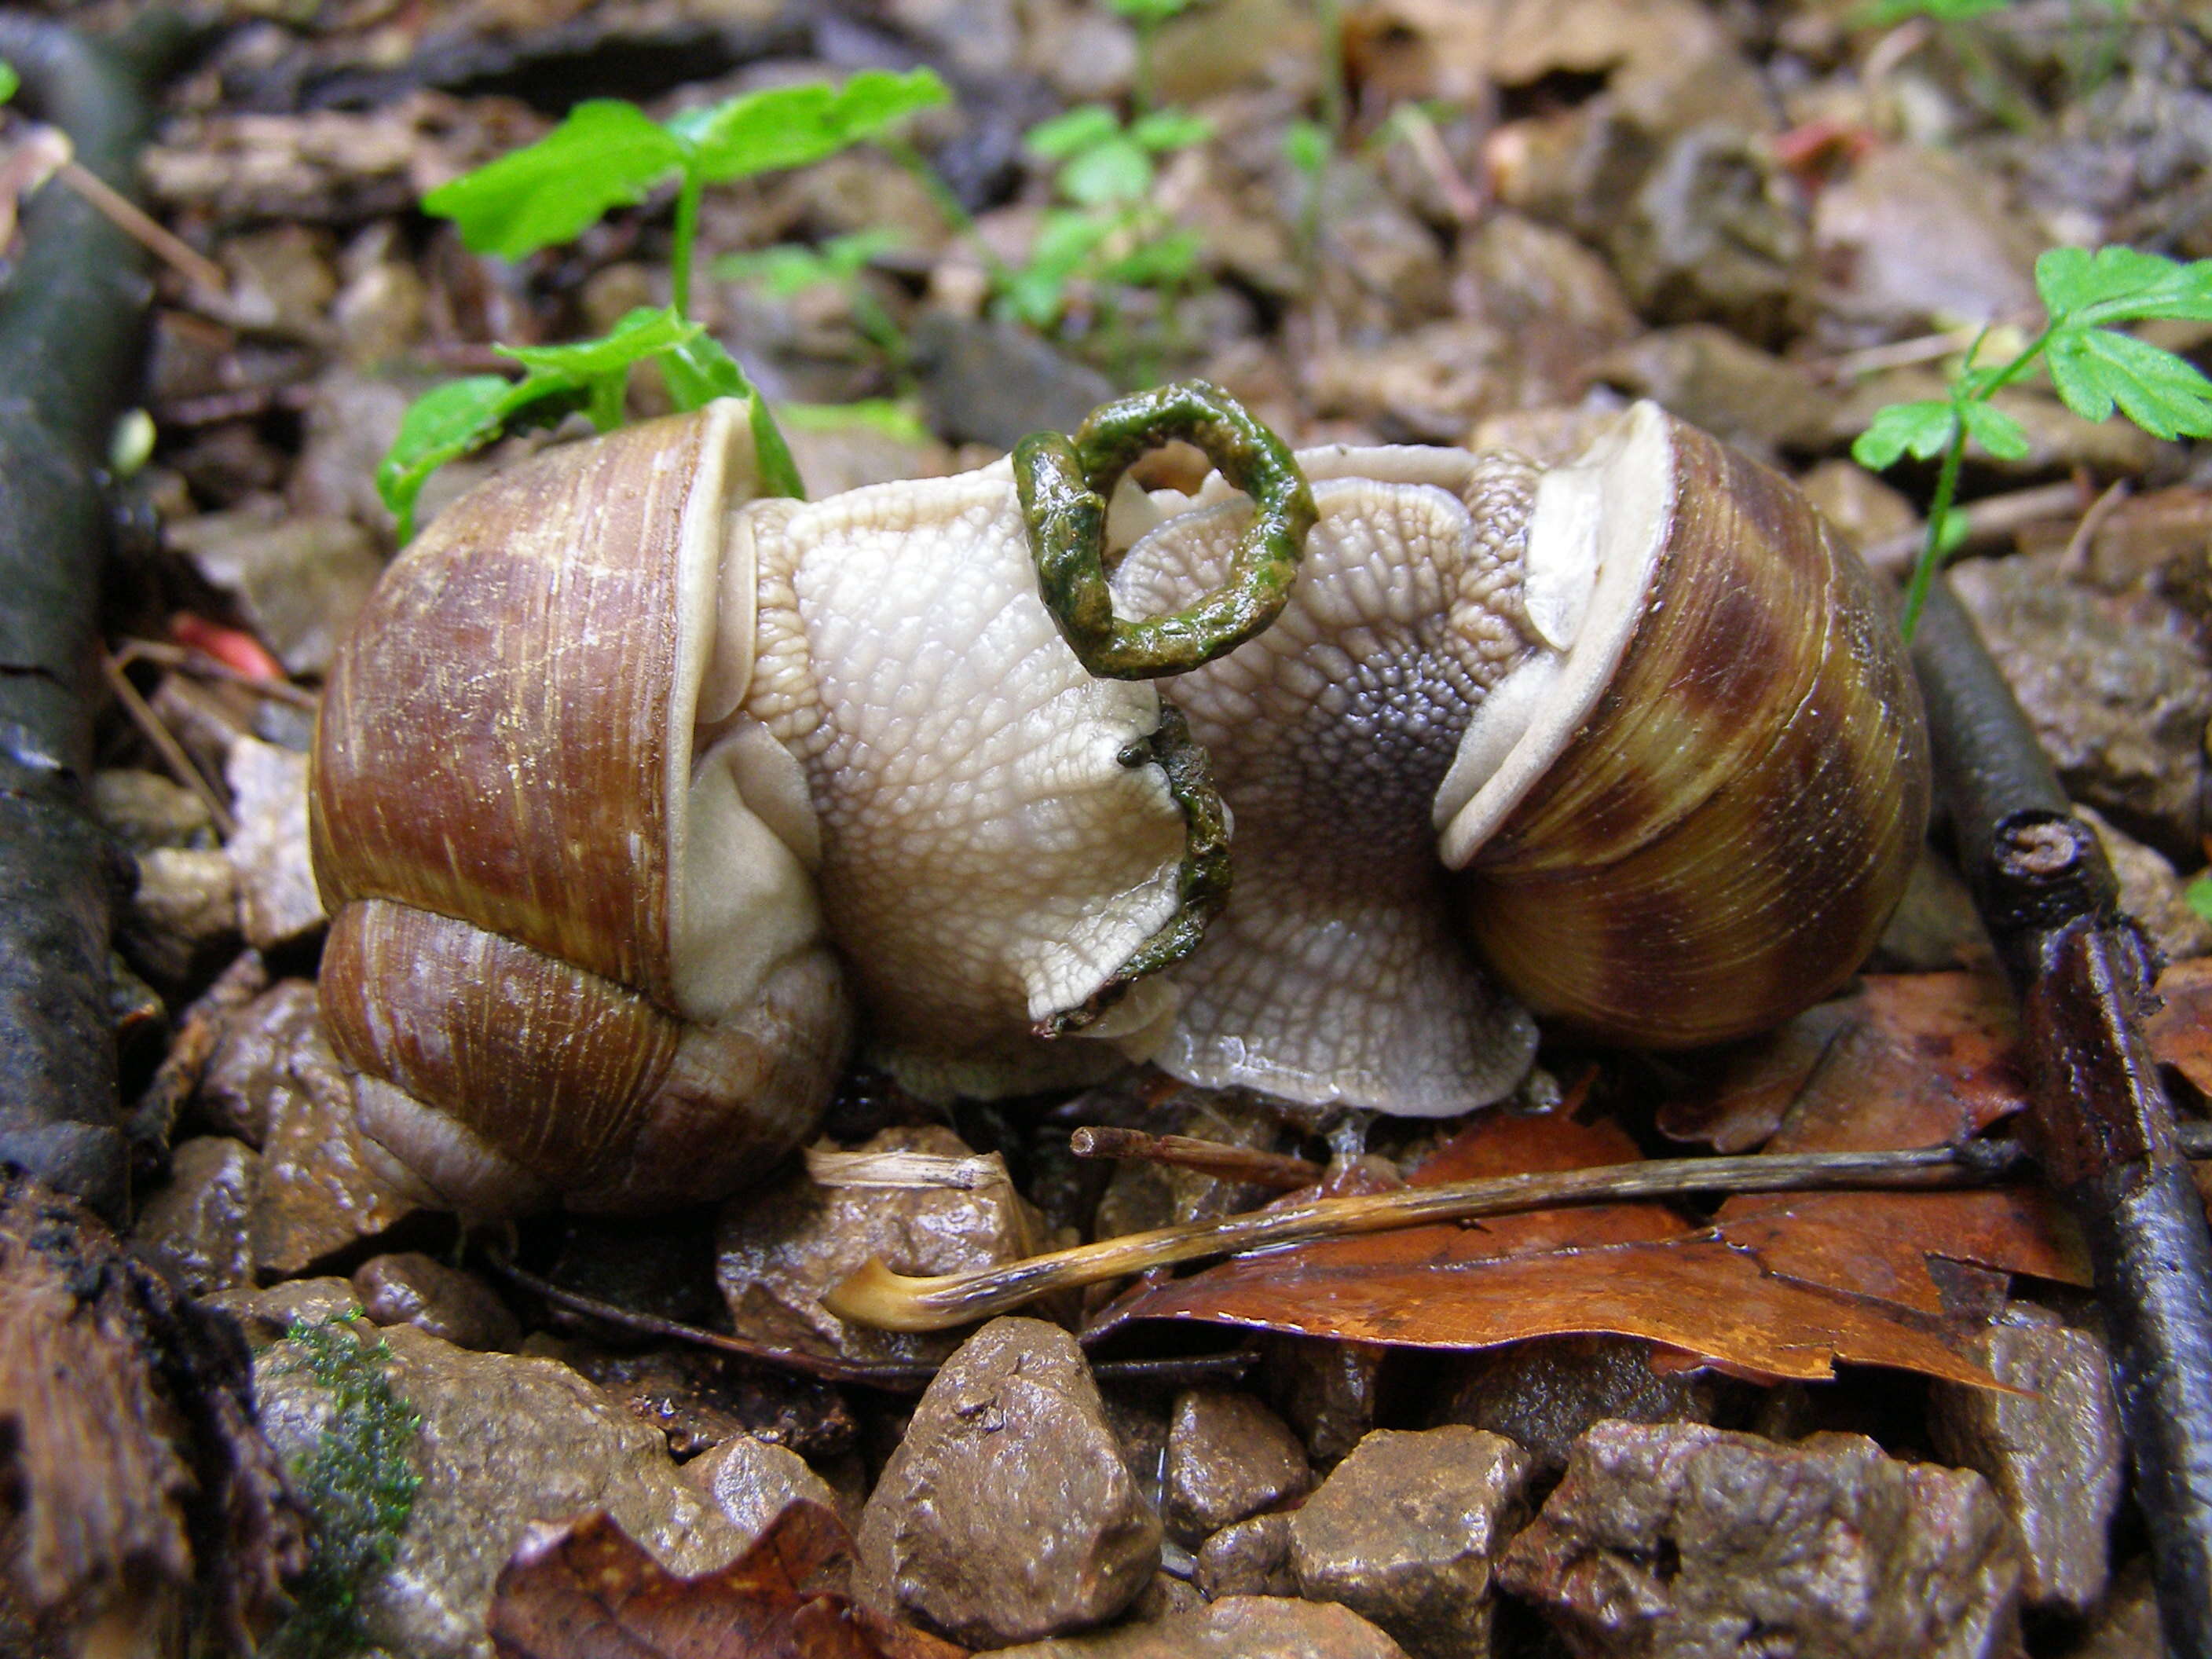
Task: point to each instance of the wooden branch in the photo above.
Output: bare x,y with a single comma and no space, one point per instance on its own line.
2099,1119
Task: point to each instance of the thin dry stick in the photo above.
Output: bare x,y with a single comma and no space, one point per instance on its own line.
876,1296
1986,520
128,217
166,744
2076,559
1211,1158
198,664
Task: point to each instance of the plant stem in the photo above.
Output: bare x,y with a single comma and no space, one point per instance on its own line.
685,235
1939,514
950,204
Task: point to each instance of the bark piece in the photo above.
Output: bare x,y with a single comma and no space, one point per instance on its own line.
2051,1453
1228,1457
1006,1514
1405,1530
1681,1539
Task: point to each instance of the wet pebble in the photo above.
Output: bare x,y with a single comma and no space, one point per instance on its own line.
409,1288
145,810
1235,1627
1681,1539
278,901
1006,1514
1251,1557
751,1480
1405,1532
182,919
1542,1395
2051,1452
299,580
194,1230
1228,1457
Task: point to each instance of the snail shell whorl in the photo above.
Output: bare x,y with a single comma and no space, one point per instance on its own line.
503,816
1738,777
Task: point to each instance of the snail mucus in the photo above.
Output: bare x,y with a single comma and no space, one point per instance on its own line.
640,798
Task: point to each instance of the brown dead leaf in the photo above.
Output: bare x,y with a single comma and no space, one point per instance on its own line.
588,1590
1934,1055
1627,1269
2180,1032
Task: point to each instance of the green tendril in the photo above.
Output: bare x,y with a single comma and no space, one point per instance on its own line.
1201,880
1064,486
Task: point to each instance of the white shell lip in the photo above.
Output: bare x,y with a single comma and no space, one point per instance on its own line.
1595,539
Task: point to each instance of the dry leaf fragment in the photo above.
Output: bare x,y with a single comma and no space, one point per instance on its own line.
588,1590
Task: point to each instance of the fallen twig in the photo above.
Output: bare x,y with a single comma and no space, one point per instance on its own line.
2099,1122
876,1296
179,764
1211,1157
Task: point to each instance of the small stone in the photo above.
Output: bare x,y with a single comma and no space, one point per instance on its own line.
1677,1539
751,1481
2116,688
2052,1453
503,1441
300,579
193,1231
145,810
1007,1513
993,383
1325,1388
1235,1627
699,1400
320,1189
247,1079
1250,1556
1542,1395
2127,1625
1713,234
1405,1530
1228,1457
2151,891
1712,378
779,1249
412,1289
278,901
183,917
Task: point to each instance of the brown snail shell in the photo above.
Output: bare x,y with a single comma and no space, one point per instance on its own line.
502,820
1705,827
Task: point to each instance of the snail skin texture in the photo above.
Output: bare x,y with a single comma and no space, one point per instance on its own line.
635,796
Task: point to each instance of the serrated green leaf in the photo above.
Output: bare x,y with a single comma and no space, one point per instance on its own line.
1166,130
444,424
1924,427
2120,284
9,81
1110,174
605,154
1995,430
1068,134
700,370
2093,369
790,126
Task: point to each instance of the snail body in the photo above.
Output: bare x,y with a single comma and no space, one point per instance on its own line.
635,796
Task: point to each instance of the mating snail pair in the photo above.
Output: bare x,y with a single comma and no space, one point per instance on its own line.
636,796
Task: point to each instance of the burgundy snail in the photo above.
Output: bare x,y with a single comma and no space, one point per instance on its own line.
637,796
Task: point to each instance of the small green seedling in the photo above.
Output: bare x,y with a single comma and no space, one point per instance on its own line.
358,1485
608,154
790,268
2094,367
9,81
1147,16
1112,231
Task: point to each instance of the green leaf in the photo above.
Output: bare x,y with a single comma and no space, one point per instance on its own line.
2199,895
2120,284
2095,368
645,333
605,154
1111,174
790,126
1157,263
1924,427
1307,143
1171,128
786,270
1149,11
442,425
9,81
1886,13
1995,430
891,417
698,371
1070,134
